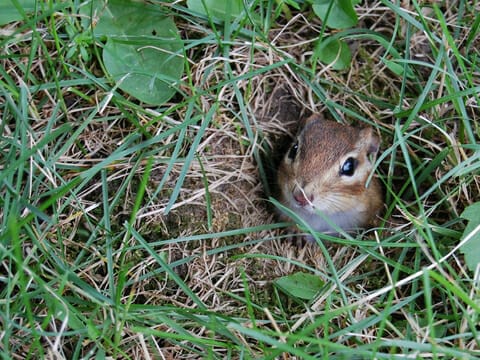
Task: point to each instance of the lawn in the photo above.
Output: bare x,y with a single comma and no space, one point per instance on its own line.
138,218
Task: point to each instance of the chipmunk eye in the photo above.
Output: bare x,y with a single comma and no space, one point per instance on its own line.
292,153
348,167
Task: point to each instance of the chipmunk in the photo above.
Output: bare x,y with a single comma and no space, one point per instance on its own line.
324,173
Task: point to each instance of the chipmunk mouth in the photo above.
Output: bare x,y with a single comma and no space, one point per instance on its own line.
301,198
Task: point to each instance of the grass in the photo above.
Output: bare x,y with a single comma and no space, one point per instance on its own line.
132,231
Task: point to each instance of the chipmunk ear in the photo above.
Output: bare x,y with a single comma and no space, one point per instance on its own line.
369,140
314,117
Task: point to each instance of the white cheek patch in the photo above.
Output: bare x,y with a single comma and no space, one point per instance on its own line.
328,223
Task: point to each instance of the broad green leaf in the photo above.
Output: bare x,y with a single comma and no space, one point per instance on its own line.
148,71
300,285
342,14
334,52
143,52
221,9
9,11
471,249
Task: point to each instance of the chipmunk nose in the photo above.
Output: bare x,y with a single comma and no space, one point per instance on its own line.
301,198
